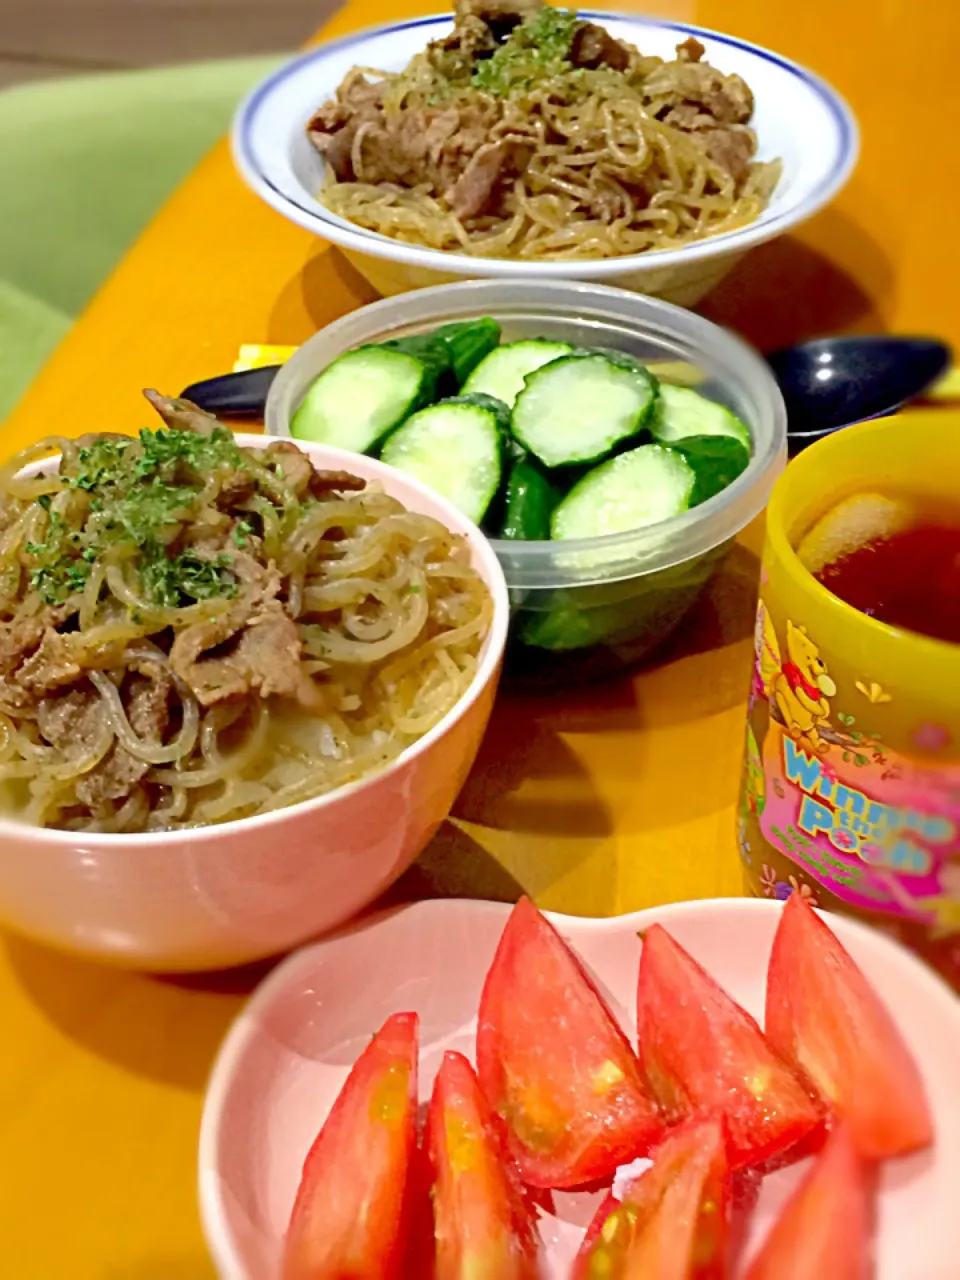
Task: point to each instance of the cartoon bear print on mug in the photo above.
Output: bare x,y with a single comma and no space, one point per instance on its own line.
799,687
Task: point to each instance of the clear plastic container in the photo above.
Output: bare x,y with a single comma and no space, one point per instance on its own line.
589,607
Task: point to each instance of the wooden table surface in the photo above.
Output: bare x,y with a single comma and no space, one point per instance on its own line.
612,799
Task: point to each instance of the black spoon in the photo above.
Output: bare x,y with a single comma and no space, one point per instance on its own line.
827,383
234,395
830,383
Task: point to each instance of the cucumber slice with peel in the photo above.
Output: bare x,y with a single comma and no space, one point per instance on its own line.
363,395
683,412
716,462
456,447
503,371
581,407
530,500
641,487
468,343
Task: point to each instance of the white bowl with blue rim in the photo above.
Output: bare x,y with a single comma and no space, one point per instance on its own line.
798,118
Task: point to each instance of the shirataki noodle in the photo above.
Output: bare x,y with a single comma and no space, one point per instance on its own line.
192,632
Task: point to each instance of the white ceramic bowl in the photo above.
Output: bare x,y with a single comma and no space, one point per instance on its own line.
227,894
289,1052
798,118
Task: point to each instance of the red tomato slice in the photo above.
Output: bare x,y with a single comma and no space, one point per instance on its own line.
673,1222
703,1054
554,1064
481,1225
350,1220
825,1018
824,1230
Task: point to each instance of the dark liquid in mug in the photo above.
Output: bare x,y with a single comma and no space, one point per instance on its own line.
910,580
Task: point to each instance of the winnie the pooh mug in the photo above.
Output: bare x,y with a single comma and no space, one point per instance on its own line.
851,780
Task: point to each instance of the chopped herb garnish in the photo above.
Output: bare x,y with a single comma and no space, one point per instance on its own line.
539,43
166,451
241,532
177,580
141,492
60,579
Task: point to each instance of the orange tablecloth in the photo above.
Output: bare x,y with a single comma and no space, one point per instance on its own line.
615,798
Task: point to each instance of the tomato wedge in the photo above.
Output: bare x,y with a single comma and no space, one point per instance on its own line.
481,1224
823,1232
673,1222
554,1064
350,1220
825,1018
703,1054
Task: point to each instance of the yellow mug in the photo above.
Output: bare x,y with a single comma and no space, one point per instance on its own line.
851,782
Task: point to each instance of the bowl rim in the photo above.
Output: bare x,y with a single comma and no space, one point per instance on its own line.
701,528
491,655
213,1216
347,235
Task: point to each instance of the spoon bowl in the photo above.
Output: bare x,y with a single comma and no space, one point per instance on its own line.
830,383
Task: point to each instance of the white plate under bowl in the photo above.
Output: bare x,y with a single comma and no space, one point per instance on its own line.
289,1052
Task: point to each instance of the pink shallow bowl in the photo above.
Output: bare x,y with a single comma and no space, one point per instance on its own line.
228,894
289,1052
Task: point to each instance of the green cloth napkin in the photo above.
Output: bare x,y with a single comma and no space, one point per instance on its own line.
85,164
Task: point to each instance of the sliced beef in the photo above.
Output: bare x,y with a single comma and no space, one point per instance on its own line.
731,102
334,127
148,710
14,700
470,41
499,16
691,50
182,415
72,723
429,146
474,190
337,147
72,720
20,636
732,149
260,587
726,98
355,94
148,703
689,117
51,666
265,656
395,149
112,779
594,47
300,473
325,483
296,467
261,583
237,486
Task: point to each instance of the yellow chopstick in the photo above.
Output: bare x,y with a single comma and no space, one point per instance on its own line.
948,387
258,355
